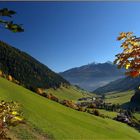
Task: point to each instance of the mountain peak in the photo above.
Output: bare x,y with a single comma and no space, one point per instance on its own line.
93,75
109,62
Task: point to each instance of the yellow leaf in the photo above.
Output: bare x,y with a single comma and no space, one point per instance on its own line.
127,66
14,113
18,118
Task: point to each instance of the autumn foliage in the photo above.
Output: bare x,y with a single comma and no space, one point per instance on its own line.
70,104
130,56
9,116
39,90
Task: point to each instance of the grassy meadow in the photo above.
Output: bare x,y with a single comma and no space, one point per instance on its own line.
71,93
60,122
119,97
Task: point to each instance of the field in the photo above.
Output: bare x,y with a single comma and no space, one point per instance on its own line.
137,116
110,114
70,93
120,98
60,122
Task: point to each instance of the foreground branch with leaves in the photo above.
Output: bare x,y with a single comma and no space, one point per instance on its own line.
130,57
9,24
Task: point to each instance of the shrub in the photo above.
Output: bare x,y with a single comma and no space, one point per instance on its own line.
52,97
16,82
39,90
81,109
96,112
10,78
1,73
70,104
92,105
44,94
9,116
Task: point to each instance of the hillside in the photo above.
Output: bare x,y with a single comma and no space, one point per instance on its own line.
119,97
70,93
57,121
27,70
93,75
119,85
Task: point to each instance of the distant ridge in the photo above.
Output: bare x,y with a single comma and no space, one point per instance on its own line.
122,84
94,75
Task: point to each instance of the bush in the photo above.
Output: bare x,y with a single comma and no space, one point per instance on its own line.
10,78
96,112
81,109
69,104
92,105
39,90
52,97
9,116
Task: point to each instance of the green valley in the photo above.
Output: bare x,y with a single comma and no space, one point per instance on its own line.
60,122
61,79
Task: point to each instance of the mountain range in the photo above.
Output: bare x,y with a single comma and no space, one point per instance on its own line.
93,76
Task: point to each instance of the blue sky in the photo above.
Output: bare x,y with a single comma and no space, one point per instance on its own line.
63,35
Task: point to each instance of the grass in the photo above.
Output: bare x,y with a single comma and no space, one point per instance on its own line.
70,93
110,114
137,115
62,123
25,132
120,98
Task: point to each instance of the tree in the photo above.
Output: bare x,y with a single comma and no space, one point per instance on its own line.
8,24
96,112
130,56
103,96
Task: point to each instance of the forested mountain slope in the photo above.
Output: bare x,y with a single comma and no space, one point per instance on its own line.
27,70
